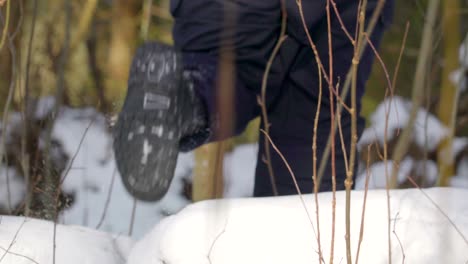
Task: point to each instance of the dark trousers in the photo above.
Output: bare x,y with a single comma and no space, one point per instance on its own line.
293,85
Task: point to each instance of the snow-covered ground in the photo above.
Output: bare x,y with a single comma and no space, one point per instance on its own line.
25,241
426,226
279,230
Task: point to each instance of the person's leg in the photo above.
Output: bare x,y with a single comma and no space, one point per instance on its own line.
251,33
292,116
171,99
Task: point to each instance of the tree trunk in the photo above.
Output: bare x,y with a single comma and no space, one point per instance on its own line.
449,92
208,172
124,33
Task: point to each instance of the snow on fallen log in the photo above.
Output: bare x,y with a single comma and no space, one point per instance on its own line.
278,230
28,241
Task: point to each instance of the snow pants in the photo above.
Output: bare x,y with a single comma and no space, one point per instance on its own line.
293,89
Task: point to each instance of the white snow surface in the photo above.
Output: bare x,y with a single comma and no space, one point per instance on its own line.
458,78
398,110
239,171
461,179
12,188
26,241
278,230
44,106
458,145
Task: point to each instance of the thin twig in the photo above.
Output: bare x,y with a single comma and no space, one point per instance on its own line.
385,154
400,56
132,217
216,240
317,57
332,126
19,255
314,162
106,205
343,27
380,60
8,187
398,238
354,136
262,99
346,87
413,182
419,82
13,241
311,42
343,145
60,90
363,215
80,144
293,176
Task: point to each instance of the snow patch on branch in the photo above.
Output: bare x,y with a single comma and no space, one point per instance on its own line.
427,133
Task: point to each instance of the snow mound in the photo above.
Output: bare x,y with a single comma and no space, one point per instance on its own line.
24,240
278,230
428,131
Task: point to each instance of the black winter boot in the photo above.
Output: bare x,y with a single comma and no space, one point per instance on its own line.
161,111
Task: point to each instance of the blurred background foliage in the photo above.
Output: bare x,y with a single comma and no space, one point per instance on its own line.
104,34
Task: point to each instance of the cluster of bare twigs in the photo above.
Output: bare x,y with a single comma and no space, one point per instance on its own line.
360,41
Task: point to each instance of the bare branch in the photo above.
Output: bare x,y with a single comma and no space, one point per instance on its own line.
106,205
262,98
13,241
398,238
293,176
19,255
216,240
6,25
132,217
418,88
413,182
363,215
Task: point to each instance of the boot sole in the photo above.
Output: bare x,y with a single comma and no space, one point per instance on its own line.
148,129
